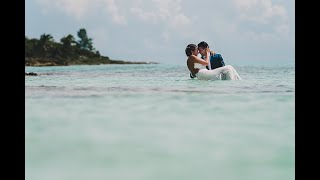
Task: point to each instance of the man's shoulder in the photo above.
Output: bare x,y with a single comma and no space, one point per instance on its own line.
216,55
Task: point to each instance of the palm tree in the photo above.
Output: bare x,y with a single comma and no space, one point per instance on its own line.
44,44
68,42
85,42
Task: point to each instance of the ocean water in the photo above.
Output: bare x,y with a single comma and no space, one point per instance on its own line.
152,122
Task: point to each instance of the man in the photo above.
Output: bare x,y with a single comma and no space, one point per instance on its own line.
216,59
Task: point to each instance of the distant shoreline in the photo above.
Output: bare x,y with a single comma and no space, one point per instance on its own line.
87,61
69,51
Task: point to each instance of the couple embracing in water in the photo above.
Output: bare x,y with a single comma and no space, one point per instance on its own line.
210,66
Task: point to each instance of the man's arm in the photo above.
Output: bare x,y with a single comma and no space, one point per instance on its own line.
221,60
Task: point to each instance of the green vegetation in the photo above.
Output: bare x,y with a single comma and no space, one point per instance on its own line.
46,52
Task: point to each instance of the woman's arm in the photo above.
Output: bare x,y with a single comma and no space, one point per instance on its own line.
201,61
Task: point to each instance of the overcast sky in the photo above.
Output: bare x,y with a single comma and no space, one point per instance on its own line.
243,31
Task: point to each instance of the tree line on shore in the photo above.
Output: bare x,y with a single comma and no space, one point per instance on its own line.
69,51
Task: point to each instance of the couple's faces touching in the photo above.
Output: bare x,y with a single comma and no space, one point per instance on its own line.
195,52
202,51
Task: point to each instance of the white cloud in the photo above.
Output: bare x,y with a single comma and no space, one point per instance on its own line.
180,20
282,29
144,16
262,12
76,8
161,11
167,14
113,10
80,9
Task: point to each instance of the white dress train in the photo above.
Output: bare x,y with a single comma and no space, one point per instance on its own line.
222,73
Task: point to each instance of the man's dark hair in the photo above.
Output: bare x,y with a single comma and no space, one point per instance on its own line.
203,44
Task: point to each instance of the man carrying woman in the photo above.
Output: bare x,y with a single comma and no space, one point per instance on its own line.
198,66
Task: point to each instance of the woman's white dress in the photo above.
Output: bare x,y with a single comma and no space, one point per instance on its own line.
222,73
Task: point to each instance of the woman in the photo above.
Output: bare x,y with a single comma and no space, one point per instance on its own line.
197,66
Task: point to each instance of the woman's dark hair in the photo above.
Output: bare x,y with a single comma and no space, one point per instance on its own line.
203,44
189,48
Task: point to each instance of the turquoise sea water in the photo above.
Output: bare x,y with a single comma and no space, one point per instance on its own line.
152,122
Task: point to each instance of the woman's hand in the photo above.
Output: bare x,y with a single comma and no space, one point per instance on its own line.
208,51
